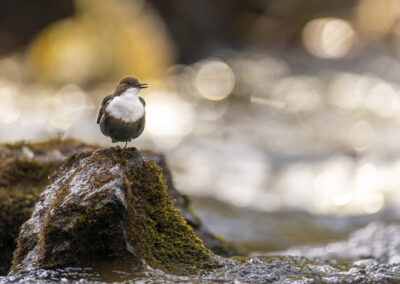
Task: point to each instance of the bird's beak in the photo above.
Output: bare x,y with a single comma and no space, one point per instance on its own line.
143,85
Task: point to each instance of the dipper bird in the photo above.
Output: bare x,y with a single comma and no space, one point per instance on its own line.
122,114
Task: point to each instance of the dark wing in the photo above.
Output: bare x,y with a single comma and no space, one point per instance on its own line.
142,101
103,104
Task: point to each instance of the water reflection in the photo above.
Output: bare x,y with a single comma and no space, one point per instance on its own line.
245,128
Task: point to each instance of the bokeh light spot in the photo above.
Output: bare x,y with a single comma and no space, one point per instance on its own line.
361,135
329,37
69,104
168,118
373,202
215,80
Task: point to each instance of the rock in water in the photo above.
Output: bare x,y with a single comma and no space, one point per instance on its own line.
108,205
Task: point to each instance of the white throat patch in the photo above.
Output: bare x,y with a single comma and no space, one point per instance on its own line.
127,106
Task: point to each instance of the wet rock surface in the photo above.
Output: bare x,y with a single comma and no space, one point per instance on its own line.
295,269
108,206
25,171
268,269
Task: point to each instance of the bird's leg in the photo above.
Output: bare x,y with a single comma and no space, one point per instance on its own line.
126,143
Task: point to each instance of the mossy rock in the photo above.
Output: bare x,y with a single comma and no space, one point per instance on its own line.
29,165
109,205
25,169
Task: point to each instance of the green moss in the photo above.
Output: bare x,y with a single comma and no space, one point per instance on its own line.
163,238
26,174
19,171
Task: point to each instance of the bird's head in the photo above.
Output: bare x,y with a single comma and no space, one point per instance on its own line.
130,82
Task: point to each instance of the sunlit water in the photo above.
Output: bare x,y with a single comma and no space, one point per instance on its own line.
253,129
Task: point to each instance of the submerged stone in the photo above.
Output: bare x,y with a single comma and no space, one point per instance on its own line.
108,206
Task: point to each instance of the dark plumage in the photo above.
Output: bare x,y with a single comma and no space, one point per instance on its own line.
122,115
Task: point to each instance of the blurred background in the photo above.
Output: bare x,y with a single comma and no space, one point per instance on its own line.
265,104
